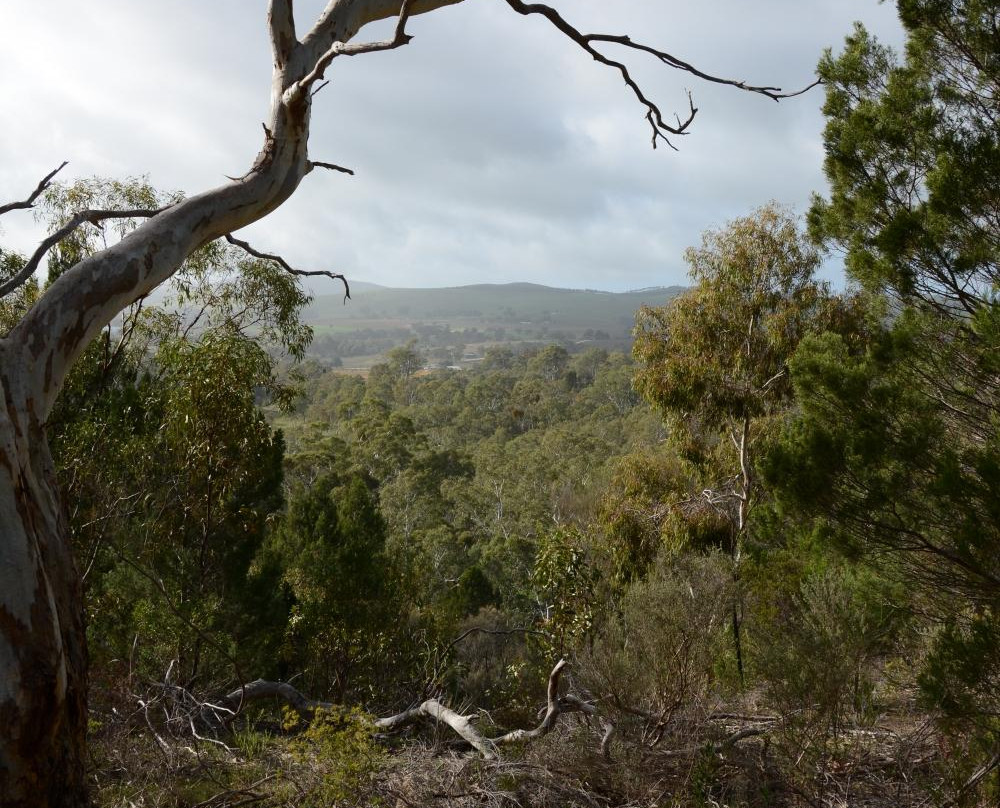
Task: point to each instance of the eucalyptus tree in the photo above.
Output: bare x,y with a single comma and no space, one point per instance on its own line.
714,360
43,657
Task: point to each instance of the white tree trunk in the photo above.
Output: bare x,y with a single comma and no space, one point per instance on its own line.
43,660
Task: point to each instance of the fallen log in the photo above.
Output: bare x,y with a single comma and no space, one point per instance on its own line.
431,709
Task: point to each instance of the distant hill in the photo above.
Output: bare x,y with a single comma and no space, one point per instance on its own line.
378,317
510,303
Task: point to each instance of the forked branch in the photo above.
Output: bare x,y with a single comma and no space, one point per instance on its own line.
281,262
400,38
553,708
39,190
661,129
463,724
94,217
432,709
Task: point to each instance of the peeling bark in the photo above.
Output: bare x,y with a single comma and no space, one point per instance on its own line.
43,657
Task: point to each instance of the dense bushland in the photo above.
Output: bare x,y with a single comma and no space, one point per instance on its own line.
766,542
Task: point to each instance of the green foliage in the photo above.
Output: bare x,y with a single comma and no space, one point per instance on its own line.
17,302
960,674
895,455
719,350
886,466
550,363
169,514
61,201
331,545
714,360
438,521
656,656
822,649
467,468
652,505
471,593
913,156
825,477
338,757
252,744
565,579
893,477
491,664
714,363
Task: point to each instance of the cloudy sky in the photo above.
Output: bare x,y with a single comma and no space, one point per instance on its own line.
488,150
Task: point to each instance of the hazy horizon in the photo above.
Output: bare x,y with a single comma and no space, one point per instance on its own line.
476,162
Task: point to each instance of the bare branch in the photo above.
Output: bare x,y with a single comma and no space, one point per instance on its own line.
339,48
774,93
505,632
435,710
331,166
39,189
287,267
319,87
93,217
463,724
719,747
653,114
340,21
431,708
263,689
552,710
609,731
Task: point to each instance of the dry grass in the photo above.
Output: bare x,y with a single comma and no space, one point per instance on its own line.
731,758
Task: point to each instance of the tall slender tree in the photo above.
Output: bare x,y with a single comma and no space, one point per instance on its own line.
715,358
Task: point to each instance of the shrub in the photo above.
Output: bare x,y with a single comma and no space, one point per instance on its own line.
819,658
657,654
338,758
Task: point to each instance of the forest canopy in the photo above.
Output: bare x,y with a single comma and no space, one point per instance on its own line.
750,560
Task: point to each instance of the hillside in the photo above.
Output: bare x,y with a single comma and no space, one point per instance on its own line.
460,319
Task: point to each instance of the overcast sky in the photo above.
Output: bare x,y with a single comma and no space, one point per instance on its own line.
488,150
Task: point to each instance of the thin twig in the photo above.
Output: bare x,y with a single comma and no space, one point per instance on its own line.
331,166
493,631
93,217
39,189
287,267
400,38
654,116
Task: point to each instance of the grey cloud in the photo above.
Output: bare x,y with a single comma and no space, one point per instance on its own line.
489,149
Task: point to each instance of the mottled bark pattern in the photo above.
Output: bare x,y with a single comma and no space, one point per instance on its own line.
43,658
